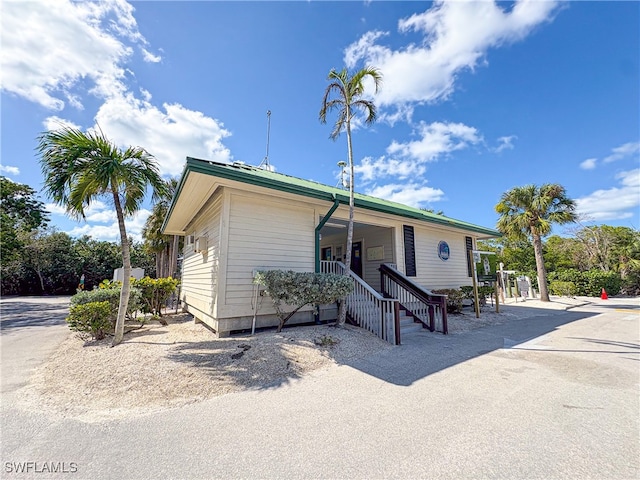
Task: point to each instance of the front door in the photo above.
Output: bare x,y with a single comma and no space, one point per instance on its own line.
356,258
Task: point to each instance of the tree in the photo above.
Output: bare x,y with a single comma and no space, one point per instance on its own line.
80,167
347,91
165,247
528,213
20,214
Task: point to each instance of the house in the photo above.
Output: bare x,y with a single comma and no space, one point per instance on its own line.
237,219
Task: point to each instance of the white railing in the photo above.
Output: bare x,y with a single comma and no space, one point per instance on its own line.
368,308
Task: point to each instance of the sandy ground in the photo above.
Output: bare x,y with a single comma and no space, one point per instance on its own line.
159,367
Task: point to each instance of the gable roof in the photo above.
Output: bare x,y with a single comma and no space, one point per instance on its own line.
243,173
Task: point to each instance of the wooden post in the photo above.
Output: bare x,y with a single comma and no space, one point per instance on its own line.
497,296
475,285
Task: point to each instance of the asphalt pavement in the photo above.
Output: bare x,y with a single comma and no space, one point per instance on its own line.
554,395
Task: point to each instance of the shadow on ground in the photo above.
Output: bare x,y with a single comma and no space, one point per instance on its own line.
19,314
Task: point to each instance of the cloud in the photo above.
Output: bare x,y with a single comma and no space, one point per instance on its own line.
589,164
150,57
623,151
454,39
50,47
170,134
505,143
56,123
614,203
411,194
9,170
111,232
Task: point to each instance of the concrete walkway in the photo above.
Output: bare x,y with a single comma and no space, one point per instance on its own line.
550,396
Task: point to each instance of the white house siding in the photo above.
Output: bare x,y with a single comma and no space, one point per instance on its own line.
434,273
264,232
199,287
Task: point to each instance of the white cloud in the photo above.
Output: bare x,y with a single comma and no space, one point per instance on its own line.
55,209
170,134
111,232
589,164
9,170
436,139
613,203
50,47
456,36
411,194
408,159
56,123
623,151
505,143
150,57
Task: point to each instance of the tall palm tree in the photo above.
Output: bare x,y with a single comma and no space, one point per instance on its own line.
528,213
80,167
165,247
344,93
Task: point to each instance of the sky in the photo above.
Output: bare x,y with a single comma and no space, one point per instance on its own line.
476,98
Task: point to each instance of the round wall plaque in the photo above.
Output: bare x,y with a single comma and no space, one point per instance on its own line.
443,250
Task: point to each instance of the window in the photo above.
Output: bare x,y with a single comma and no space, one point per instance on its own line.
409,251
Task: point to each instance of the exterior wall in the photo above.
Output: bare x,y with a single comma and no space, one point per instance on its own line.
199,284
434,273
263,232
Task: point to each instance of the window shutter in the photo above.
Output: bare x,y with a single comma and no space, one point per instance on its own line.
409,251
469,244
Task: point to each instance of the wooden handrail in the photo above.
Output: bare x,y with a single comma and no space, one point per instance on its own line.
415,293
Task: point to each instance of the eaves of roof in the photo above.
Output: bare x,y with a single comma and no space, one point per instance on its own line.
250,175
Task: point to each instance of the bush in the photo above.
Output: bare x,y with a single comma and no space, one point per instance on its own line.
589,283
454,298
300,289
564,289
92,318
155,292
110,292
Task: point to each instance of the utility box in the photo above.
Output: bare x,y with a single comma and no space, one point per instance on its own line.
118,274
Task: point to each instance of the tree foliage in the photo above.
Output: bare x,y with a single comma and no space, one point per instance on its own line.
298,289
528,213
80,167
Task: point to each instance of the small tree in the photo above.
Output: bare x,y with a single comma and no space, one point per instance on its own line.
298,289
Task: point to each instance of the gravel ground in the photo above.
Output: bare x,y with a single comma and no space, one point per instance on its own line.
159,367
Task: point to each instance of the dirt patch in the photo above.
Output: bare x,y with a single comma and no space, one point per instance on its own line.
159,367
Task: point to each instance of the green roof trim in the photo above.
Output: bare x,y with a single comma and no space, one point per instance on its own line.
244,173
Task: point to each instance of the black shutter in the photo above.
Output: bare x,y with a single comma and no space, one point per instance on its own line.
469,244
409,251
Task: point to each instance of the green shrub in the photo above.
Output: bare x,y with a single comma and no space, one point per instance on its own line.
564,289
298,289
589,283
155,292
454,298
92,318
483,292
111,294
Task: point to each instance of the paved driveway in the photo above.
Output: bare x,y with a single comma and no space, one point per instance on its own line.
552,396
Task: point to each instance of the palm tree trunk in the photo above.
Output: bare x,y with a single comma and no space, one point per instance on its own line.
173,262
342,317
126,280
542,271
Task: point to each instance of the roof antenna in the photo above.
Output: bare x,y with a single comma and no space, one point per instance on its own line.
265,162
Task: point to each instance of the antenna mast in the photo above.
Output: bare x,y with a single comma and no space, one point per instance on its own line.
265,161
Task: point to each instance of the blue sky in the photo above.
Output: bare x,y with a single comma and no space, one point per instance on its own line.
477,97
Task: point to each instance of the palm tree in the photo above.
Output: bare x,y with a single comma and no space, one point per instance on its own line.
348,91
80,167
165,247
528,213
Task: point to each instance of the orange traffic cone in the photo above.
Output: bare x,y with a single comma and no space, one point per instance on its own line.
603,295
